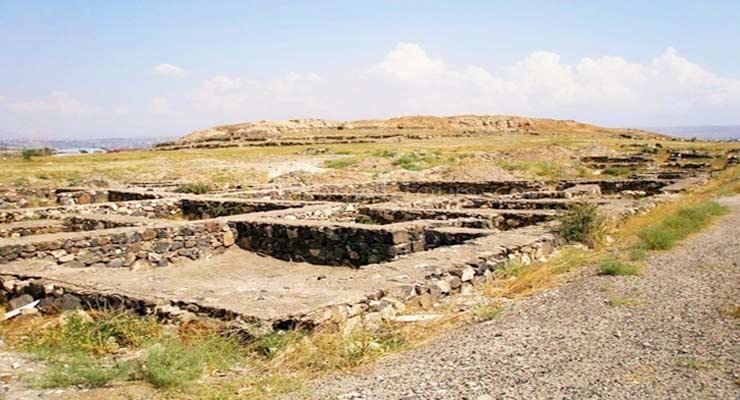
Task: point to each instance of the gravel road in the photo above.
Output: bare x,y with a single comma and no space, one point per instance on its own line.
570,343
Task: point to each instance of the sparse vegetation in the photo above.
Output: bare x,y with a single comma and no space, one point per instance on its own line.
678,225
195,188
624,302
614,267
486,312
616,171
341,163
584,224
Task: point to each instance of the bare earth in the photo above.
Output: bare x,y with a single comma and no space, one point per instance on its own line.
678,343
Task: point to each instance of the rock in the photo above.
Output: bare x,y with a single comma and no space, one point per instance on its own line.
443,286
426,301
454,282
229,238
74,264
468,274
66,258
148,234
20,301
115,263
68,303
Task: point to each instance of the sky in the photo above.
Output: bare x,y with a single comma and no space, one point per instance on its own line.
86,69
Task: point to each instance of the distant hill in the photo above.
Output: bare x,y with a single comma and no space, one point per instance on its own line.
86,144
314,131
723,132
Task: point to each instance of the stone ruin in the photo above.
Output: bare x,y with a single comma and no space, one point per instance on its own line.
267,258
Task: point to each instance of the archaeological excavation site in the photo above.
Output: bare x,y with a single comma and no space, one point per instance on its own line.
335,246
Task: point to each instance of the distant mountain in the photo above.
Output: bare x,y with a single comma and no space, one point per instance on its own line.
105,143
723,132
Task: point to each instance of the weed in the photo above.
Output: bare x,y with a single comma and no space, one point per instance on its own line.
583,223
486,312
194,188
341,163
616,171
679,224
96,336
614,267
170,363
384,153
732,311
604,286
637,254
78,370
695,364
624,302
174,363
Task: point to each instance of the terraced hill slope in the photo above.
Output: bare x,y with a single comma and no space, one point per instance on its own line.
315,131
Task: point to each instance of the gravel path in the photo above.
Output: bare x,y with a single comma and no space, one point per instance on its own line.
569,343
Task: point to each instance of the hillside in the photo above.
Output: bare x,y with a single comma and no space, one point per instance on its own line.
313,131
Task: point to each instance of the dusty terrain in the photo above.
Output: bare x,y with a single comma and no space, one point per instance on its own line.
570,343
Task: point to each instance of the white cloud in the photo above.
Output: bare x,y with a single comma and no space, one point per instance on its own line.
169,70
408,61
57,102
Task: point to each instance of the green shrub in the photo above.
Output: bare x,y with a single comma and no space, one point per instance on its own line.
678,225
583,223
616,171
173,363
637,254
486,312
615,267
194,188
170,363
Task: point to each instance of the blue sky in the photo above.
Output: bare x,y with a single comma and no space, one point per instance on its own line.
74,69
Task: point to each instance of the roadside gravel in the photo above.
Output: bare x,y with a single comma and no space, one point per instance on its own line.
569,343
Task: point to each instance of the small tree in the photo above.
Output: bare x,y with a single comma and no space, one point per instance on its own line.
27,154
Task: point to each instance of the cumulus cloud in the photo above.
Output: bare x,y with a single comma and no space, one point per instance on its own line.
169,70
57,102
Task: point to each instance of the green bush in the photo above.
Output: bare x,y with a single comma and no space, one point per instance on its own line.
613,267
173,363
194,188
583,223
678,225
170,363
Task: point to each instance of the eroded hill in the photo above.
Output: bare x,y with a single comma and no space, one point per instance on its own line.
322,131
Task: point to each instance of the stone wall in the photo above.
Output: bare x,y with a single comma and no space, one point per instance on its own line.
122,247
213,208
328,243
28,228
454,187
159,208
649,186
499,219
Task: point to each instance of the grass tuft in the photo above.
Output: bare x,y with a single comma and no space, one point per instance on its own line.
487,312
614,267
624,302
